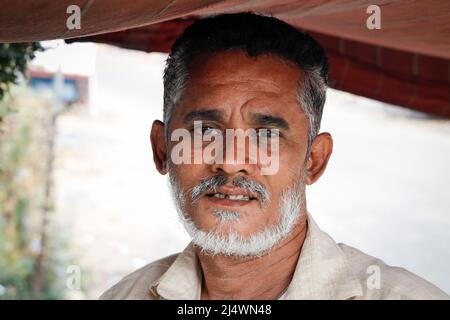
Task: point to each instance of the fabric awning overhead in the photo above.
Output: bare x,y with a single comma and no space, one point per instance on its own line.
406,62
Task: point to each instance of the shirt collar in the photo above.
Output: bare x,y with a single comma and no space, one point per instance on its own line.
183,279
322,272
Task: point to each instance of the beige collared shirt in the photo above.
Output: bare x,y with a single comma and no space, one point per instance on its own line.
325,270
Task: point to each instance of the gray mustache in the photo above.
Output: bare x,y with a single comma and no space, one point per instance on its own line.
211,184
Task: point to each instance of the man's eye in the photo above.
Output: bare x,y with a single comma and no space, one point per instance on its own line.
206,131
268,133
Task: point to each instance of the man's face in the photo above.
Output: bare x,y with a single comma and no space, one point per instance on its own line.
230,90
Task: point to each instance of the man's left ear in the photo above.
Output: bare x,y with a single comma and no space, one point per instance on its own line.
321,150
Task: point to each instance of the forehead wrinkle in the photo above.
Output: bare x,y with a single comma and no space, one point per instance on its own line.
209,113
212,99
261,97
248,85
237,65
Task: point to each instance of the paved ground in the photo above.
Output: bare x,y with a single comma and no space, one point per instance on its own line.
386,190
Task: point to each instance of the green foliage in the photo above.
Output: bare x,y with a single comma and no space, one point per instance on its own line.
13,62
32,252
30,267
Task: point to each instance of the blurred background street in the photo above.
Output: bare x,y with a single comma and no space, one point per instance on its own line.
386,190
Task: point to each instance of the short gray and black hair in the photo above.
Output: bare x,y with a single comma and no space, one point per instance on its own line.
255,34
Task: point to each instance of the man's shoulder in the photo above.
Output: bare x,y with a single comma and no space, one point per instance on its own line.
382,281
136,285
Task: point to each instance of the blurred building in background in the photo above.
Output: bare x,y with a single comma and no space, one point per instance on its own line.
75,87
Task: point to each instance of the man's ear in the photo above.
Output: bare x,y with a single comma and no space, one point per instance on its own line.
159,146
321,150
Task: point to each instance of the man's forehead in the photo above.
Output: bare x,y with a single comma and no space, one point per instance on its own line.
232,81
265,71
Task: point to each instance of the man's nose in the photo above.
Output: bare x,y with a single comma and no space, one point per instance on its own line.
235,160
233,168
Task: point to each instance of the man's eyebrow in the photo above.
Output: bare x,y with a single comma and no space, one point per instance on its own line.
204,114
269,120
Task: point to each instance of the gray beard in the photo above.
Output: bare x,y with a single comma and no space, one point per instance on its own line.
232,243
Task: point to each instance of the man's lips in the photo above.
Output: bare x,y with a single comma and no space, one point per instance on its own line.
231,196
228,202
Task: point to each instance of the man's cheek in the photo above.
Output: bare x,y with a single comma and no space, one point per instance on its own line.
271,167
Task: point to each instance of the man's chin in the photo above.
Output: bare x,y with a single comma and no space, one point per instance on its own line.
231,239
223,228
238,228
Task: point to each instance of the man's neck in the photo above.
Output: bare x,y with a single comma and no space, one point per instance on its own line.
252,278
